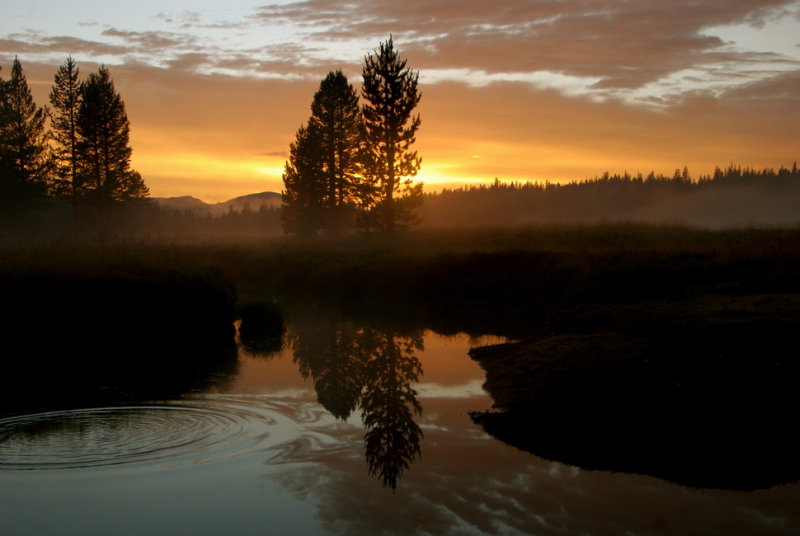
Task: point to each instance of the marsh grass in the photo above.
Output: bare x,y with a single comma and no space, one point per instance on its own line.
502,279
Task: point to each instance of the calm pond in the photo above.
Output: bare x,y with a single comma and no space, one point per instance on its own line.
344,430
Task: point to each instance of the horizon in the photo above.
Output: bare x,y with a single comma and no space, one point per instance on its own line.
545,92
457,185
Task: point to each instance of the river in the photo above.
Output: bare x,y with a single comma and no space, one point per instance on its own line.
338,430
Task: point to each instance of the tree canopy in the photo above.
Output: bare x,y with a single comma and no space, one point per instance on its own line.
304,185
65,99
83,156
321,178
104,148
336,122
24,162
356,163
390,91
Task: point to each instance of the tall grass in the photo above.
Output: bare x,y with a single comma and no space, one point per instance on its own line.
452,276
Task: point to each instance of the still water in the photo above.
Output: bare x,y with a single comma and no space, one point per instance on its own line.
341,431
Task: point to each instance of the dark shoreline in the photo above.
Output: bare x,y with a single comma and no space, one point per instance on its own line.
702,392
107,336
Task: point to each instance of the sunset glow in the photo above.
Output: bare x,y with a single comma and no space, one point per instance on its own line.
533,91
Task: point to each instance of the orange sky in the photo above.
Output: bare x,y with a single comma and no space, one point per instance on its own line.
517,90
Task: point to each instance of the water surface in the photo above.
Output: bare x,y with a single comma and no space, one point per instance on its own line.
345,430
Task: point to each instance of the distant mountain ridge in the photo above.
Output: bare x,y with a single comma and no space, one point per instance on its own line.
200,207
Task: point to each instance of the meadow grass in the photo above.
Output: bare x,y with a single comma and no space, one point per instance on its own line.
510,275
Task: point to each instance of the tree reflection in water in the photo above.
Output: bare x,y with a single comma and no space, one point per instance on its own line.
331,355
371,370
388,404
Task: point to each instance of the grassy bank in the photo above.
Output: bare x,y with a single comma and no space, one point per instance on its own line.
512,282
508,281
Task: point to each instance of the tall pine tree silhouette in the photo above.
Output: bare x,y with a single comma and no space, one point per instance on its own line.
336,118
303,205
104,148
65,99
23,142
322,173
390,89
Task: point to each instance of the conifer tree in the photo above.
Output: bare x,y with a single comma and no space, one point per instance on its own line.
321,176
305,185
390,89
23,141
336,122
65,99
103,130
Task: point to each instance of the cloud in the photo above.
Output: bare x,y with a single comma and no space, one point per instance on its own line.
272,62
153,41
283,64
189,62
37,44
641,51
625,44
783,89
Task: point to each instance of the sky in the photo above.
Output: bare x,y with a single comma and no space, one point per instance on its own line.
519,90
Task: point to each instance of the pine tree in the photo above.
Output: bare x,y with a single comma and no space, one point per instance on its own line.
305,185
103,130
133,187
322,174
65,99
390,89
23,141
336,122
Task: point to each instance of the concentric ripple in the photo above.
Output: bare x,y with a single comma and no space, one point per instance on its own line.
178,432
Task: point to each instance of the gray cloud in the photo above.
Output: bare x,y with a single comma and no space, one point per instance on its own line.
784,89
646,51
35,44
185,17
189,62
626,43
286,61
153,41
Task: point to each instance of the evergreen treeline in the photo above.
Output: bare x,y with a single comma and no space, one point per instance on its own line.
733,196
82,155
351,165
187,224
